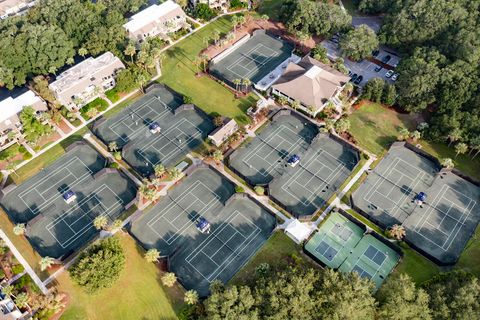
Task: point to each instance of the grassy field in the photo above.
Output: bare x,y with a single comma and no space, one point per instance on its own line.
278,252
138,294
179,73
416,266
375,128
470,258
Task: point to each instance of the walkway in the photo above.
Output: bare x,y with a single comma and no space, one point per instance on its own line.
24,263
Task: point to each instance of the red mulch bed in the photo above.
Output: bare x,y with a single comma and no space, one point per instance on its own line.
62,125
4,164
53,137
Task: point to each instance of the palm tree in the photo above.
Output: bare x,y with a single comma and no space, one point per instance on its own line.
152,255
191,297
237,82
197,61
11,167
460,148
21,300
46,262
215,36
112,146
19,229
454,135
329,125
230,36
246,83
146,191
204,58
475,145
158,56
82,52
159,170
174,173
415,135
8,290
116,224
235,23
70,61
217,155
169,279
130,51
342,125
447,163
397,231
295,104
242,20
100,222
404,133
206,40
264,17
282,100
312,110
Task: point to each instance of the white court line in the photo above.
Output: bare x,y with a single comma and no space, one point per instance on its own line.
267,141
122,121
84,229
239,61
186,194
163,135
433,208
229,259
38,207
379,266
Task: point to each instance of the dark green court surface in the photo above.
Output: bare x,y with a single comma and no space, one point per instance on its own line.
182,129
341,244
253,59
55,228
440,227
325,163
238,228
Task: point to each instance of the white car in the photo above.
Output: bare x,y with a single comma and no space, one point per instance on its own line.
389,73
395,77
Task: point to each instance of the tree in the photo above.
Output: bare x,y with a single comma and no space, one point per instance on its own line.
373,90
191,297
82,52
174,173
460,148
204,12
259,190
415,135
454,135
282,100
100,222
8,290
397,231
152,255
320,53
237,82
295,104
187,99
169,279
33,129
112,146
19,229
159,170
99,266
182,3
130,51
235,22
218,121
454,295
359,42
217,155
329,125
447,163
231,303
342,125
40,85
21,300
400,299
389,94
404,133
146,191
475,146
246,83
46,262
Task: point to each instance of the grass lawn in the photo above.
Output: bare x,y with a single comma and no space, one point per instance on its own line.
278,252
138,294
122,105
416,266
375,128
470,258
179,73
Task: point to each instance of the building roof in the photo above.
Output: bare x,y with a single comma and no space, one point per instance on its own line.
298,231
12,6
224,131
310,81
162,12
12,106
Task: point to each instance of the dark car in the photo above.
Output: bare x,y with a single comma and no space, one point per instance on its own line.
378,68
386,58
354,76
358,80
375,53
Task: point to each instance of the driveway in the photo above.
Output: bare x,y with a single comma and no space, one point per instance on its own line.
373,22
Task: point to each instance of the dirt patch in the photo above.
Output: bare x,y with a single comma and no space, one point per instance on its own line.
16,158
47,139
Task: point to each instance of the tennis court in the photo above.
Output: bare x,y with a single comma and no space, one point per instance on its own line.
265,157
253,59
238,228
182,129
371,259
334,241
57,228
443,224
323,168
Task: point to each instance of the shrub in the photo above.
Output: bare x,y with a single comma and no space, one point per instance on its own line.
239,189
259,190
238,4
114,165
204,12
91,109
2,274
17,269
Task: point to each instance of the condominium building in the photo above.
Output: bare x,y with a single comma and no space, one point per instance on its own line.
10,8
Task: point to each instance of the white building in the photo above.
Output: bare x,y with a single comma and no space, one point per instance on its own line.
86,80
156,20
10,8
221,134
9,311
221,5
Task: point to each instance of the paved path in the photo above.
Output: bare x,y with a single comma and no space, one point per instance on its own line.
24,263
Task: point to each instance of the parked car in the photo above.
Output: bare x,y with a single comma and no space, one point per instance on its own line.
389,73
350,73
358,80
375,53
395,77
378,68
386,58
354,76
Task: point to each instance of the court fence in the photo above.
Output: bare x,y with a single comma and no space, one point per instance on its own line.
232,48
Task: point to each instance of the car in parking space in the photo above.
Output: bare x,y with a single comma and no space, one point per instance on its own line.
395,77
386,58
358,80
350,73
354,76
389,73
375,53
378,68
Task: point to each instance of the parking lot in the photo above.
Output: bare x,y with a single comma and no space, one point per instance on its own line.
365,68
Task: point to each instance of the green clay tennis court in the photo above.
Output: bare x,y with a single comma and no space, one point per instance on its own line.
325,163
440,227
182,129
239,226
57,228
342,244
253,59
